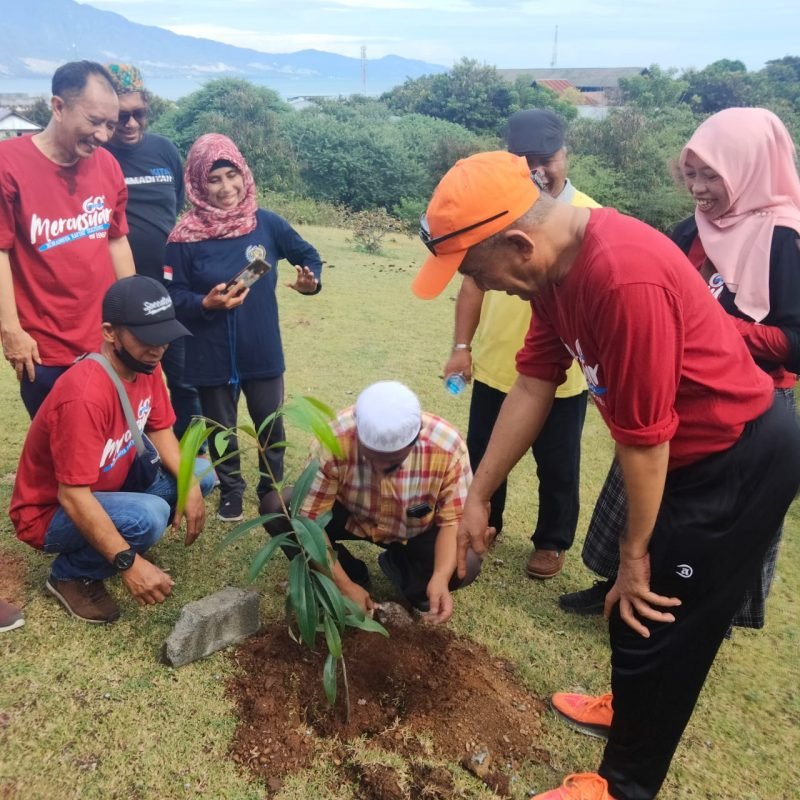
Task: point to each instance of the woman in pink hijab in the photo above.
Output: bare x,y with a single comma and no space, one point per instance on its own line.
744,240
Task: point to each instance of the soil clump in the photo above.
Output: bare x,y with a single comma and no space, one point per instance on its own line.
424,694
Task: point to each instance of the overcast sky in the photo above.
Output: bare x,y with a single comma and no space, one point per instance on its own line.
510,33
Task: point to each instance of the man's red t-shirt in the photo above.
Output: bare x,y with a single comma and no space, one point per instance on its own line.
56,222
663,360
79,437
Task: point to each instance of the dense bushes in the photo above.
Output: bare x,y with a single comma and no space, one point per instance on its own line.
363,154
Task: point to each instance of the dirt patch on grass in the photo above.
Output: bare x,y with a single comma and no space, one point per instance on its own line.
12,578
424,694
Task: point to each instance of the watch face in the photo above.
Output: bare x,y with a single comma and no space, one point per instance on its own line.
124,560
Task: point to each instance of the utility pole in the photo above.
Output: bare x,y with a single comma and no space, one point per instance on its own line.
554,59
364,70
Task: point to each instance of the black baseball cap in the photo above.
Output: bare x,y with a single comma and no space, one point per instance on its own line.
535,132
144,307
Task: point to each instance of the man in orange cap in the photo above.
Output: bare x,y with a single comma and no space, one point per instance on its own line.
704,453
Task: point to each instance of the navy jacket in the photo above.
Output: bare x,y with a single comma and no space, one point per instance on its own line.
245,343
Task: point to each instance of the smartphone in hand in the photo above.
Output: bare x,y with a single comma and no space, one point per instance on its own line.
250,274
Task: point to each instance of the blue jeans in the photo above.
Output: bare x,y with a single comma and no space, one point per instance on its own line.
140,517
33,394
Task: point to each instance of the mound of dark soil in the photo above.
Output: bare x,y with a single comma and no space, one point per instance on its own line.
422,681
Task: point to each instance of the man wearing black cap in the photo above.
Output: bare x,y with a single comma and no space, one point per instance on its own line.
490,327
68,496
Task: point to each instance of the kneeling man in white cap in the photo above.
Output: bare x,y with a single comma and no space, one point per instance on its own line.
400,482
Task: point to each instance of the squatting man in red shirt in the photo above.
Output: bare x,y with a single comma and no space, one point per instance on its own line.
400,482
709,463
72,493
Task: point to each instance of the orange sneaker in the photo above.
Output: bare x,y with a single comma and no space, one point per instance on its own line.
591,715
584,786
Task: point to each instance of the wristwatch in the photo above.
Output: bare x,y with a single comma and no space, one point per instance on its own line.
124,560
461,346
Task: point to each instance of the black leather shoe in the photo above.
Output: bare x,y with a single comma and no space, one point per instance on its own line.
587,601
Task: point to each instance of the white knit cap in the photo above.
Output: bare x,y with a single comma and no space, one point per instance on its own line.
388,416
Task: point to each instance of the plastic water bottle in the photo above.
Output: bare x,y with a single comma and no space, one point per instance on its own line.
455,383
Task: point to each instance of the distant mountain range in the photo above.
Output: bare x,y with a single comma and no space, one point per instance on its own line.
38,35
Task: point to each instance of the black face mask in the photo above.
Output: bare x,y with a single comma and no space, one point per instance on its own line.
132,363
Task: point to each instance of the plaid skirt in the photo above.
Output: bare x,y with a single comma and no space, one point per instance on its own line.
601,546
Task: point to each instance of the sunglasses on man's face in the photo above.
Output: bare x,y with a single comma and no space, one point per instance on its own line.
139,114
431,241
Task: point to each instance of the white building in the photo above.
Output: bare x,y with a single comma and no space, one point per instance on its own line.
13,124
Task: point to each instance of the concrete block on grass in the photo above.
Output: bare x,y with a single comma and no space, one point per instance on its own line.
207,625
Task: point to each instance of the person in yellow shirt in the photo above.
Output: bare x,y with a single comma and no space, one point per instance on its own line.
490,328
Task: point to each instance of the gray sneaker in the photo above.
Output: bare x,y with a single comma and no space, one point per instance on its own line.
10,617
85,599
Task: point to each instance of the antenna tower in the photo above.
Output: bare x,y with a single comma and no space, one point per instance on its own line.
364,70
554,59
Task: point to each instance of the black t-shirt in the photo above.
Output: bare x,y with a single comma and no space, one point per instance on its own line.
154,176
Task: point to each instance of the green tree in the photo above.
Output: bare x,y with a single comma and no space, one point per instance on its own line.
470,94
540,97
655,89
246,113
723,84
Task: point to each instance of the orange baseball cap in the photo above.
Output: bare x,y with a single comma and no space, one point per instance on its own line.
477,198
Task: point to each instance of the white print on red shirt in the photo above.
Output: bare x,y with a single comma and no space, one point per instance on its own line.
116,448
92,223
590,373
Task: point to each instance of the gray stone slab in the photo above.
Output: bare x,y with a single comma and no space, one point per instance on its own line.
207,625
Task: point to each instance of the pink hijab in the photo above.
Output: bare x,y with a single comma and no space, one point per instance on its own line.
751,150
205,221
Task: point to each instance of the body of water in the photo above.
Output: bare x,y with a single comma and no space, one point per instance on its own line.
175,88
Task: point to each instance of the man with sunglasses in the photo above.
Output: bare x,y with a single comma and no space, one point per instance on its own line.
708,461
153,174
400,482
63,234
490,328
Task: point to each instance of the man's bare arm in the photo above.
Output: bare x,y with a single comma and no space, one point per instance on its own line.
121,257
19,347
521,417
468,315
644,470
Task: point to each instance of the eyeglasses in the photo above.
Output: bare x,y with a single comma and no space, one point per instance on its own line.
431,242
139,114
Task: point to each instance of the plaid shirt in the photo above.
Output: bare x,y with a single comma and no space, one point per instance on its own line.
436,472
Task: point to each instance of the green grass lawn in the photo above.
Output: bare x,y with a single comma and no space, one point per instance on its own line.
88,712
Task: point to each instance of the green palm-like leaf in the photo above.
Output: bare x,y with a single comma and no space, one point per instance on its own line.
313,417
265,554
303,599
244,527
268,420
311,542
302,486
330,597
190,444
332,637
221,440
356,618
367,624
248,429
329,672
